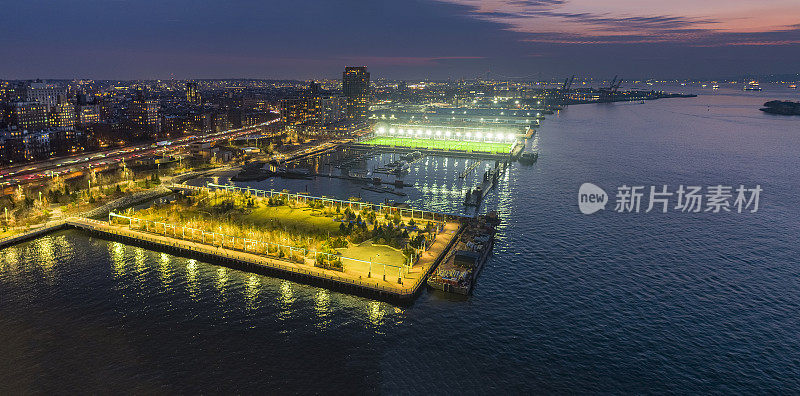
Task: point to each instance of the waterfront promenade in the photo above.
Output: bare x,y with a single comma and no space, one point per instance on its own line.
358,280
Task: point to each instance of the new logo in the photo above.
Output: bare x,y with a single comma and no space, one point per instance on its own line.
591,198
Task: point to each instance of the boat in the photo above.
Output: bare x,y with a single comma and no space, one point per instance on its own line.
793,86
413,156
528,157
293,173
459,271
752,86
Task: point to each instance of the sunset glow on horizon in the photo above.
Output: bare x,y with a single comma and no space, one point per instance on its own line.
590,21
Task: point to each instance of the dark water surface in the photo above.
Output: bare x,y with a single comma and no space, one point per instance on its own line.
569,303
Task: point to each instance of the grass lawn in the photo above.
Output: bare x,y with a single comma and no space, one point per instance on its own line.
303,219
501,148
379,254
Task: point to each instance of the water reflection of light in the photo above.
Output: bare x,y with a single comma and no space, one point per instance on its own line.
285,300
287,297
252,287
191,279
164,269
47,261
139,260
375,313
323,307
11,260
117,259
222,280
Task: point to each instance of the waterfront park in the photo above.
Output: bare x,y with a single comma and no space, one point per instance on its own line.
356,240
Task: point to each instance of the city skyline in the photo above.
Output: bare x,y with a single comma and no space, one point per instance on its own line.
436,39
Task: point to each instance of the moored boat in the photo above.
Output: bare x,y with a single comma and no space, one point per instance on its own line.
459,271
528,157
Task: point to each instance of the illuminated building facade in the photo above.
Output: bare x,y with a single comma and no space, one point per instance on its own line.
43,93
143,115
192,94
314,114
355,87
63,114
31,116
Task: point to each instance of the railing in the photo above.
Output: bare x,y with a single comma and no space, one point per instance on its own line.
97,225
245,244
410,212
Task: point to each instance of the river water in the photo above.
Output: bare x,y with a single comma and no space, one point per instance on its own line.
568,303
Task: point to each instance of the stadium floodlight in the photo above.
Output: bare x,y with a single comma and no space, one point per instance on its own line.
469,135
538,114
439,133
453,112
516,102
502,113
448,134
381,130
458,134
428,132
528,113
478,135
465,112
510,136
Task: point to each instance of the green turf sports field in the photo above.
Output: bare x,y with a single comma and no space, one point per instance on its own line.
495,148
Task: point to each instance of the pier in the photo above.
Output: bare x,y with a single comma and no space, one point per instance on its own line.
239,255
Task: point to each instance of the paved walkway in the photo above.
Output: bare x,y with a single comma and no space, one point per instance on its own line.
353,276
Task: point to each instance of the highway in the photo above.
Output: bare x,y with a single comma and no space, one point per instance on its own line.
13,175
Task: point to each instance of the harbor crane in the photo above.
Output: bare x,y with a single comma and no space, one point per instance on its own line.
608,94
565,89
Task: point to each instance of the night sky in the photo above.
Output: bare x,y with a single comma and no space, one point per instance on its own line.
410,39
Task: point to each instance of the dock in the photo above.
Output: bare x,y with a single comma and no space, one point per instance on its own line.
386,287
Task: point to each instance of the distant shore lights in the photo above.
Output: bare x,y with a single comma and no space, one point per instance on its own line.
445,133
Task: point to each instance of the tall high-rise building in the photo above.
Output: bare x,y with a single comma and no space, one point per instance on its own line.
355,87
314,112
192,94
143,115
